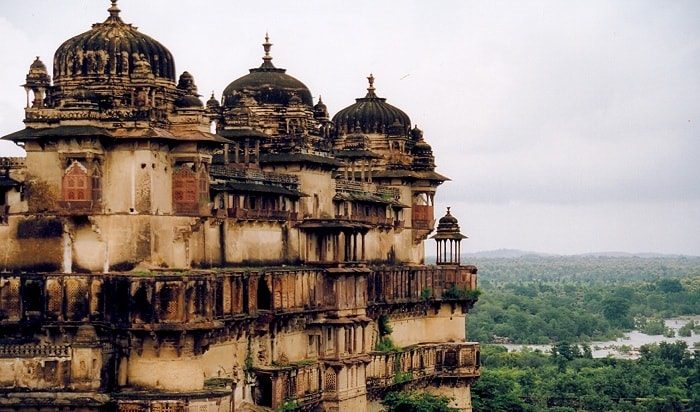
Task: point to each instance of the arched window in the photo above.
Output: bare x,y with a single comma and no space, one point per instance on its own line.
185,190
76,183
190,188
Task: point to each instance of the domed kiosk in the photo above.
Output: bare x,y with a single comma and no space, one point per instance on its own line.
448,240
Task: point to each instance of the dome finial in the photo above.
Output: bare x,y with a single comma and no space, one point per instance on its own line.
371,89
267,59
114,10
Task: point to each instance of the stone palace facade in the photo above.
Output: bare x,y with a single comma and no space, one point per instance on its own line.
161,253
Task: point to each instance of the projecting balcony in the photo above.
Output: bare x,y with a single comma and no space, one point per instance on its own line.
391,285
298,385
257,214
370,220
459,360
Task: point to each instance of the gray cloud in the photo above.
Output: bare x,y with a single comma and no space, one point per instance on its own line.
565,126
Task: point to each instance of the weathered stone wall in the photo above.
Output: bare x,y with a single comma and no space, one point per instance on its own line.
258,241
447,324
166,365
32,243
176,331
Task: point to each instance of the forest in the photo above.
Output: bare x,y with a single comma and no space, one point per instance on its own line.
567,302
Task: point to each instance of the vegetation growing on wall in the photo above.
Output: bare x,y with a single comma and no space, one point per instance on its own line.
41,197
384,343
413,401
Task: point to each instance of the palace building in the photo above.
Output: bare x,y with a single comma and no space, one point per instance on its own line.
161,253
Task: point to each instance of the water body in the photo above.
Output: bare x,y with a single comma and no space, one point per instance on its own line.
631,341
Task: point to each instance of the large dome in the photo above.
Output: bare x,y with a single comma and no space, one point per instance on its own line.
112,50
371,114
267,85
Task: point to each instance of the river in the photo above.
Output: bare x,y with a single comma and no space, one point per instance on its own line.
628,345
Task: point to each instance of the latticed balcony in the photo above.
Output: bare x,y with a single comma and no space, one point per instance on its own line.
392,285
293,386
425,361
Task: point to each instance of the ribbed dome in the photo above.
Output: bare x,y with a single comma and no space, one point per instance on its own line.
112,49
267,85
372,114
448,227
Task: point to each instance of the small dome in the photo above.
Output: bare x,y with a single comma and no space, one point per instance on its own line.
213,103
448,221
448,227
38,76
268,85
320,110
188,91
111,49
372,114
423,158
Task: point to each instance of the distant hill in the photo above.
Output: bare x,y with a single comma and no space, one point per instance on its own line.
505,253
516,253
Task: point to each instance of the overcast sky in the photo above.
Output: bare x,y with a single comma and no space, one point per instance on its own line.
565,126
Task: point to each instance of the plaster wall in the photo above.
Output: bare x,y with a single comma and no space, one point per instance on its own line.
164,369
44,173
89,252
260,241
42,162
227,360
129,178
14,199
35,373
445,326
318,185
108,240
381,244
291,347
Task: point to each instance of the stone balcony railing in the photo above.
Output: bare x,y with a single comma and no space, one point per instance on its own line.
371,220
204,298
343,185
299,386
425,361
258,214
393,285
